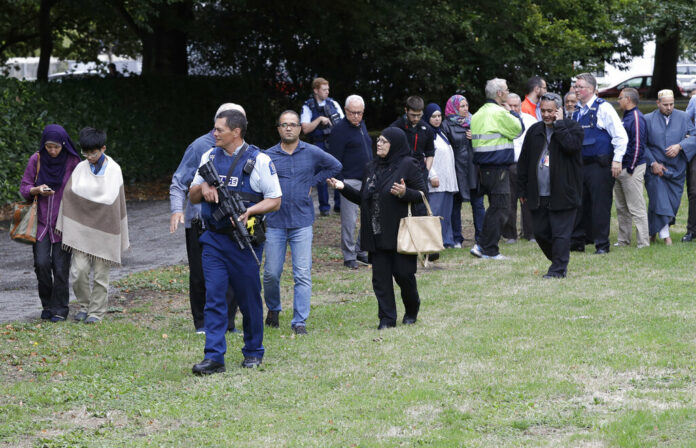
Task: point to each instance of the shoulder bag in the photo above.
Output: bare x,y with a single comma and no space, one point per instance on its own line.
24,219
419,235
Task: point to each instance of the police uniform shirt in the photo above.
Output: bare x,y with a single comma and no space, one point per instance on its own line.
306,116
263,178
609,120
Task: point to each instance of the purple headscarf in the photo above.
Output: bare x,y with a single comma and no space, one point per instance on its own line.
452,111
52,169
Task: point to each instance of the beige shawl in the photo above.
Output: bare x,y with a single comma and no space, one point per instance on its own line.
92,217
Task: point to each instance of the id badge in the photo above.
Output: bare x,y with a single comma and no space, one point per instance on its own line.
546,160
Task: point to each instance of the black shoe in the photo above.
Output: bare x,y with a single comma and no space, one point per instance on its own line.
324,213
80,316
577,248
601,251
207,367
46,315
408,320
433,257
553,275
351,264
362,258
272,319
383,325
233,330
688,237
337,210
299,329
251,362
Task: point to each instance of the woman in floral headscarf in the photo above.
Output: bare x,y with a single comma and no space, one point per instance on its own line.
456,127
55,161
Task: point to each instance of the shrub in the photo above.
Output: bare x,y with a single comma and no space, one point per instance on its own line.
149,120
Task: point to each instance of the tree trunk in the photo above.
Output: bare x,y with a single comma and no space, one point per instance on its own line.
164,49
666,58
45,38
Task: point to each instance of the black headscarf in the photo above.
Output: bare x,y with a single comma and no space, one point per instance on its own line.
52,169
382,170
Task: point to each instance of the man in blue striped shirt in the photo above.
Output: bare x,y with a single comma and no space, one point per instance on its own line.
299,166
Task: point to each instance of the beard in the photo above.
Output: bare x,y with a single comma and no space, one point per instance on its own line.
288,140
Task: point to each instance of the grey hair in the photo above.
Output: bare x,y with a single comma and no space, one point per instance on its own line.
556,98
229,106
493,86
565,97
588,78
514,96
355,99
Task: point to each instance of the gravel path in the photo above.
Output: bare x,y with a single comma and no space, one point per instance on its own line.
152,246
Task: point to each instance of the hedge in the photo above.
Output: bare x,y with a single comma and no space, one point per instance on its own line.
149,120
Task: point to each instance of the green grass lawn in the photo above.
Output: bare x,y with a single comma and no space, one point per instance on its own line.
499,357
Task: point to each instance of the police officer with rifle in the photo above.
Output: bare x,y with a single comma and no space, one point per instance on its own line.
232,203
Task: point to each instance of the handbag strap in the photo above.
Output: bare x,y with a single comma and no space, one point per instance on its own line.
425,201
38,167
427,205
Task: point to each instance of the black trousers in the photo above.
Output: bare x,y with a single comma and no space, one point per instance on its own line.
388,264
552,230
495,183
510,227
593,221
691,194
52,267
197,282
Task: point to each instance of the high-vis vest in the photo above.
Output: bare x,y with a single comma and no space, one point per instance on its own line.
493,129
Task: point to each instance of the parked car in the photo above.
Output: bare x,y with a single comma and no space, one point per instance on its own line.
642,83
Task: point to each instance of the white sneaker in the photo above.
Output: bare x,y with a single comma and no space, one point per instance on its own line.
476,251
499,257
458,246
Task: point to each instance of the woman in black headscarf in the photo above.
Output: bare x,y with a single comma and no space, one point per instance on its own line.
389,183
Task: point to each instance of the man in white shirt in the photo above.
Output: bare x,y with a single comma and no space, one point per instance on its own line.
603,149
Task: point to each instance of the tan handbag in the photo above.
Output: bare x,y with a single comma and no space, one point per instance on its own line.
419,235
24,219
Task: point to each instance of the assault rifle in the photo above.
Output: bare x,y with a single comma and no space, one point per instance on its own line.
230,205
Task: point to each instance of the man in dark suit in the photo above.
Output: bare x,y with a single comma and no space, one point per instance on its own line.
550,181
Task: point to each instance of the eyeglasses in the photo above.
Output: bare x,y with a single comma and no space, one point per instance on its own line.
356,113
91,154
289,125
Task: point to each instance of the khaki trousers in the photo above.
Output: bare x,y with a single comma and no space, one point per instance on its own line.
93,300
630,206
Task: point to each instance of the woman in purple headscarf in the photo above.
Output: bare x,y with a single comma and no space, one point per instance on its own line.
456,126
55,161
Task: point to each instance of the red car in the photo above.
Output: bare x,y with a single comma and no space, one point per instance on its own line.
642,83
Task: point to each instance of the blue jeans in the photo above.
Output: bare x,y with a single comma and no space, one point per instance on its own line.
300,240
441,204
478,211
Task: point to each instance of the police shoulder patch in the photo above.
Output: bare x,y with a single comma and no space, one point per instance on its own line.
271,167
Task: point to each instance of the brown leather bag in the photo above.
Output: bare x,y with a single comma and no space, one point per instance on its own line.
24,219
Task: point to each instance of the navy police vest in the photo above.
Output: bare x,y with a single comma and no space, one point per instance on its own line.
597,142
318,133
239,182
